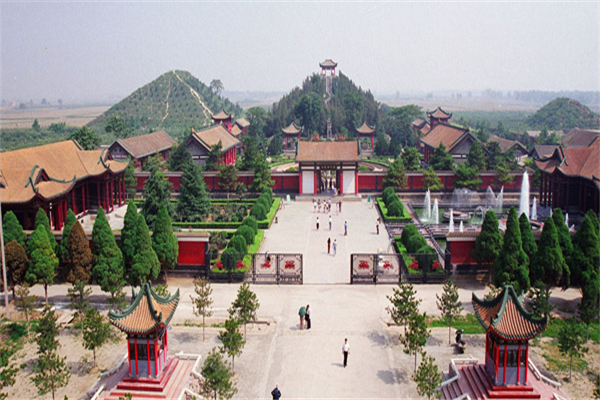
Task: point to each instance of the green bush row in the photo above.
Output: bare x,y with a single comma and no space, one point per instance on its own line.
412,242
384,211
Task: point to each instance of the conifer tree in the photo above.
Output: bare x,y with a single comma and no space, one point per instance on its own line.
540,301
275,145
79,294
404,304
62,251
589,307
431,180
145,265
217,379
214,157
108,270
415,337
570,343
586,250
42,219
13,230
228,178
16,264
489,241
202,301
476,157
564,237
527,238
180,158
510,267
395,176
548,266
130,181
262,174
43,262
428,378
95,331
81,260
449,304
231,339
157,192
128,238
164,242
441,160
245,305
193,203
25,301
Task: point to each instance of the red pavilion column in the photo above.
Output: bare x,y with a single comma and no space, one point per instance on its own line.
73,204
107,196
519,366
129,356
156,361
341,181
356,182
504,374
148,350
300,182
497,357
98,194
372,144
286,143
66,208
315,191
526,361
59,216
136,356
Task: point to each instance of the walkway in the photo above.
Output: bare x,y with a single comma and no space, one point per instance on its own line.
296,232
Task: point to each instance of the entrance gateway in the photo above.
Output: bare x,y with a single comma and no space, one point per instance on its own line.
324,166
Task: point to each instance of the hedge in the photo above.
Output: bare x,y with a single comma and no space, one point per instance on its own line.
247,233
259,211
384,212
230,257
250,222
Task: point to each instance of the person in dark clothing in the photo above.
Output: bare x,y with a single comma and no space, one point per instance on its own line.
276,393
307,317
345,351
328,245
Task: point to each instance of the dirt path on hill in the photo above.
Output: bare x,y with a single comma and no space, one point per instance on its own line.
207,112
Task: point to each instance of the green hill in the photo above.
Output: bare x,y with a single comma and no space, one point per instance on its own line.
173,102
564,113
348,107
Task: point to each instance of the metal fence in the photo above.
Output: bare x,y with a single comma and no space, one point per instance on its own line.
424,268
375,268
277,268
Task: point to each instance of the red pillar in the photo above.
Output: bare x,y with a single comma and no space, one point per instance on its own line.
315,192
129,355
83,198
372,144
148,350
73,204
504,374
136,356
526,362
300,182
286,144
59,216
342,181
519,365
155,359
497,363
66,209
356,182
98,194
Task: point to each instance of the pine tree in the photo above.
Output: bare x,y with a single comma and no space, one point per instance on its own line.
180,158
527,238
404,304
157,192
489,241
51,371
441,160
96,332
428,378
227,178
13,230
540,302
476,157
130,181
467,177
262,174
586,250
548,267
108,270
570,343
193,203
42,219
510,267
395,176
589,306
564,237
214,157
62,251
128,238
43,262
202,301
381,144
164,242
411,158
431,180
217,379
145,265
415,337
231,339
449,304
79,294
81,260
275,145
25,301
245,305
16,264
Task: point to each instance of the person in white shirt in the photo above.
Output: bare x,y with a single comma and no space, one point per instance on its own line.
345,351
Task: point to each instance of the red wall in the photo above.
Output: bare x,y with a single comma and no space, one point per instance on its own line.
460,252
191,252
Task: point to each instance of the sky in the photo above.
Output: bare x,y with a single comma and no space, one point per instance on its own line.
82,51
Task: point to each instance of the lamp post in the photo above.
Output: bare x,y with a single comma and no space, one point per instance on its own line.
4,265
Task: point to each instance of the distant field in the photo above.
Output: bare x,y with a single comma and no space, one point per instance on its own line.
76,116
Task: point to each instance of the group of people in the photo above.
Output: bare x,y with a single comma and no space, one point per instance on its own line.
329,246
325,206
304,314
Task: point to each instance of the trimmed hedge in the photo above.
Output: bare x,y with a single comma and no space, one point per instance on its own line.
247,233
405,217
238,244
414,247
250,222
258,211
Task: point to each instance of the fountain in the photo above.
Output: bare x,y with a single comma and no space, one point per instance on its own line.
567,219
534,209
427,205
524,200
451,224
500,201
436,214
461,228
490,199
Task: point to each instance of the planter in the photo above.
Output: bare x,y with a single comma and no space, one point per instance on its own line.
226,277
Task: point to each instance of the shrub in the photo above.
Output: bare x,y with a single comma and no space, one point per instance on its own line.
394,209
268,192
238,243
408,231
415,243
251,222
387,192
265,200
229,259
259,211
247,233
426,257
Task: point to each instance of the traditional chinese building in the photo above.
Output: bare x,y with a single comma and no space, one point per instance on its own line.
223,118
199,145
420,127
438,116
506,145
328,67
145,322
140,148
365,131
59,176
290,133
458,142
240,127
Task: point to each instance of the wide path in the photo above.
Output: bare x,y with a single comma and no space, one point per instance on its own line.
296,232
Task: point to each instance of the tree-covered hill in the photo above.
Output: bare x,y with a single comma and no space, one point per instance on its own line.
348,107
174,102
564,113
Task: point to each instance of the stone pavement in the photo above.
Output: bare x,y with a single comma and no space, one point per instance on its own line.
295,232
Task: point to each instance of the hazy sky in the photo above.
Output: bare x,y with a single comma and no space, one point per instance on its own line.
95,50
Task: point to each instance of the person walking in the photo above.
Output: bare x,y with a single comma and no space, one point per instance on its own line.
276,393
340,206
329,221
334,246
345,351
328,245
345,228
302,313
377,225
307,317
317,223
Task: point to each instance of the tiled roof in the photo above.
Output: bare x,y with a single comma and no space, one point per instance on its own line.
506,144
506,316
223,115
328,151
145,145
580,137
365,129
50,170
425,129
292,129
329,63
242,122
545,150
443,133
419,122
439,113
575,162
211,136
236,130
148,312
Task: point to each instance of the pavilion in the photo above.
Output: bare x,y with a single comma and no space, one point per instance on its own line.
328,67
438,116
318,160
290,133
224,118
365,131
